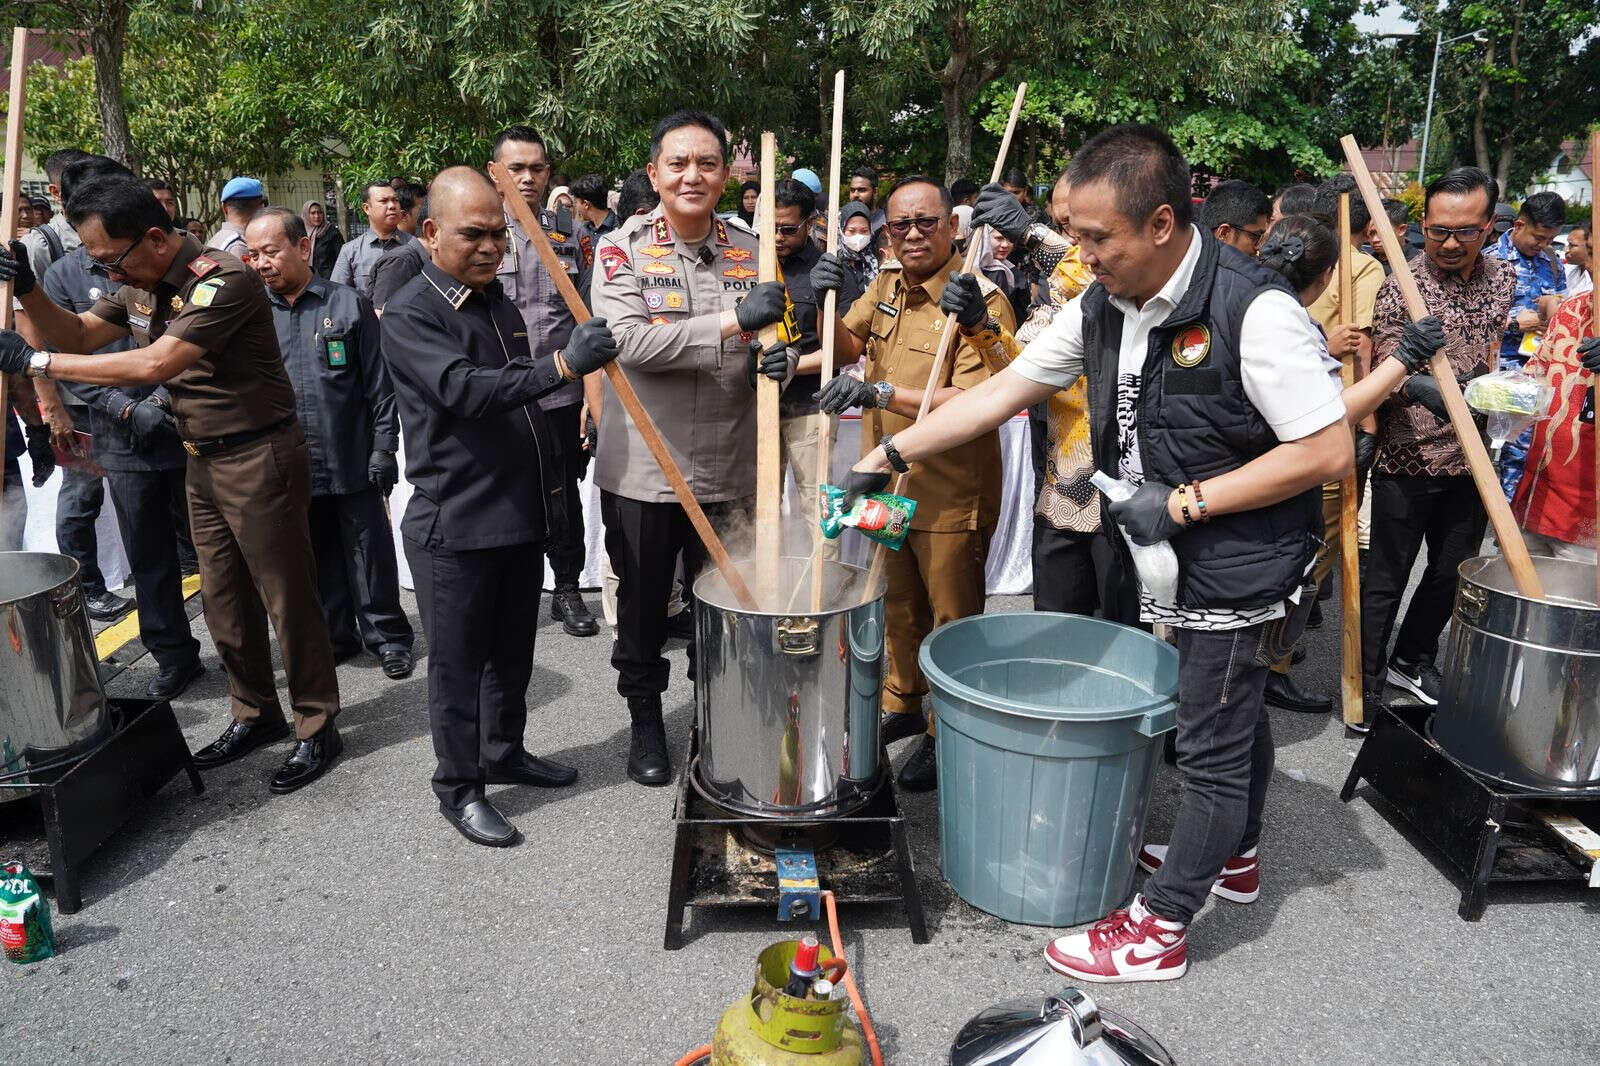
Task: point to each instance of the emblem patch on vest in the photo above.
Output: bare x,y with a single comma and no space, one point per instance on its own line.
1191,346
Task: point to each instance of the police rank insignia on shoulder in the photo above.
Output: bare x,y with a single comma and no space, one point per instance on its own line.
205,292
738,272
201,265
1191,345
612,259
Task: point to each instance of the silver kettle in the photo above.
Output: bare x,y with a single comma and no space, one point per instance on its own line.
1067,1029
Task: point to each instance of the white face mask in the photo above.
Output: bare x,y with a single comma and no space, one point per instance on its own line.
856,242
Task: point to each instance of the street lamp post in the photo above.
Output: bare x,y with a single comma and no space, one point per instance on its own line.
1433,79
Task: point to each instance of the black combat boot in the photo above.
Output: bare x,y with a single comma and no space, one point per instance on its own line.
648,762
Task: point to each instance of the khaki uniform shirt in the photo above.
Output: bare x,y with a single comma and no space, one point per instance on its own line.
663,298
1366,275
215,302
901,324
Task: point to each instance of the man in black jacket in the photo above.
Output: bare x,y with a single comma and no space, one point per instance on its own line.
477,446
1206,390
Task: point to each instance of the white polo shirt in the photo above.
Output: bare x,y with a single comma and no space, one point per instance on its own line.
1281,361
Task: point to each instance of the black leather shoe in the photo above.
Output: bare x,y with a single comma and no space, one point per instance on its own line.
239,740
568,608
106,605
1283,692
481,823
1314,619
310,759
525,769
170,683
897,725
648,761
398,663
921,771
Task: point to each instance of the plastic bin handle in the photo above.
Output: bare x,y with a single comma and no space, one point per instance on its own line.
1156,723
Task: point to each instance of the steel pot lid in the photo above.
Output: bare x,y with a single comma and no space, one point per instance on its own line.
1067,1029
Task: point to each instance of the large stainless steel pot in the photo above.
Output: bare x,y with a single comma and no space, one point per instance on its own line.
788,702
1067,1029
1521,699
51,704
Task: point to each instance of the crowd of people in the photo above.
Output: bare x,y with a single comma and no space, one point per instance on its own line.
246,396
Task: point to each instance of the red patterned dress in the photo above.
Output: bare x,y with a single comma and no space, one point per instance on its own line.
1556,495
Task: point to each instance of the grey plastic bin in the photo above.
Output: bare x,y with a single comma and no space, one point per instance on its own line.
1048,737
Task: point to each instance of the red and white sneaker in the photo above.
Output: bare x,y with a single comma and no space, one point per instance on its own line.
1130,945
1239,882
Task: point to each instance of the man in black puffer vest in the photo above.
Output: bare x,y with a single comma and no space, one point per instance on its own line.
1204,373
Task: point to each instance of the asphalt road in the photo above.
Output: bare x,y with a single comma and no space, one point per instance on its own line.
349,923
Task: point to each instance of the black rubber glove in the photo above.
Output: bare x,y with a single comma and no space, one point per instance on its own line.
777,364
1002,212
963,298
857,483
1422,389
14,352
148,419
16,268
383,471
41,453
1144,515
827,274
762,306
1418,343
1589,355
844,392
1366,450
590,347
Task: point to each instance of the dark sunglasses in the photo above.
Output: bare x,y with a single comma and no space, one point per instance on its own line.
1464,235
116,262
925,226
790,231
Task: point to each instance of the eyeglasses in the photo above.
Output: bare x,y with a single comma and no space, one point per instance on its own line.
1463,235
1253,234
925,226
790,231
116,262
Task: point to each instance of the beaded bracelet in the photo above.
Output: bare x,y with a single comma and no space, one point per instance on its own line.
1183,504
1200,502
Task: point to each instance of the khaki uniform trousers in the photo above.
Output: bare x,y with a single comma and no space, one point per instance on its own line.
247,514
934,578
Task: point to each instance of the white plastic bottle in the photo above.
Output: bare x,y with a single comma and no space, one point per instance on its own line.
1157,564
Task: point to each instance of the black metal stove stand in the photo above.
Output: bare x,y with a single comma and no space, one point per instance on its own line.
713,865
1487,830
82,807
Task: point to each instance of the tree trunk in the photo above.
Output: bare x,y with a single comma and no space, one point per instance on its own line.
958,124
1480,133
1508,137
107,39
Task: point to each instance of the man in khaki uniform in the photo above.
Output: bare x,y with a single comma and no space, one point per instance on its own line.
938,574
677,287
203,326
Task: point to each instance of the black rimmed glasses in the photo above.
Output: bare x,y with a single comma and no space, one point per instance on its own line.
925,225
116,262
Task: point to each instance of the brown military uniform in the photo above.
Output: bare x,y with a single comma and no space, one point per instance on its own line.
938,574
249,483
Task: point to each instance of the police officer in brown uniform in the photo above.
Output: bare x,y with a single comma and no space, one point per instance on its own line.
679,291
204,327
938,574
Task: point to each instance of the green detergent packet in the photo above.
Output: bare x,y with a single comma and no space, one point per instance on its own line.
882,516
24,916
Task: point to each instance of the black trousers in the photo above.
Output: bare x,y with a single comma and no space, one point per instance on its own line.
147,504
1446,514
480,610
566,547
78,505
1075,573
358,579
643,541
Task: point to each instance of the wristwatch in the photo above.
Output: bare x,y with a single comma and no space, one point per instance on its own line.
891,453
39,365
885,393
990,324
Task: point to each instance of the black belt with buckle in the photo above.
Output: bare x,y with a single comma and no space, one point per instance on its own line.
205,449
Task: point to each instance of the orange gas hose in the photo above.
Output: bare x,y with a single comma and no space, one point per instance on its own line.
867,1031
694,1056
